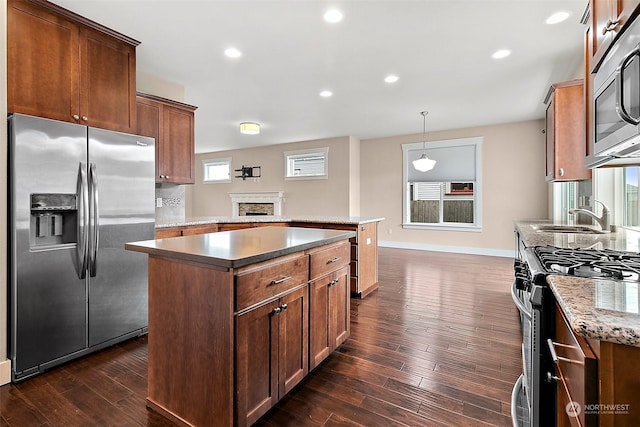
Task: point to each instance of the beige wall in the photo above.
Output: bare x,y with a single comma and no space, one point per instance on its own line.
513,186
5,365
332,196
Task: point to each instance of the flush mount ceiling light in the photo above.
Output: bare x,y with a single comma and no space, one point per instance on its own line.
391,78
557,17
502,53
333,16
232,52
326,93
424,163
249,128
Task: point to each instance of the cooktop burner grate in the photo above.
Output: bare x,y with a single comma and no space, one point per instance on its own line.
593,263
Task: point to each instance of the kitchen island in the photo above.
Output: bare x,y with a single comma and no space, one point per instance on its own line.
238,318
364,245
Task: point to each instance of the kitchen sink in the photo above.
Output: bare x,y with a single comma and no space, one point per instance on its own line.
557,228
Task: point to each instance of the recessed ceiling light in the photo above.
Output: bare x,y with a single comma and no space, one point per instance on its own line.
326,93
250,128
502,53
391,78
232,52
557,17
333,16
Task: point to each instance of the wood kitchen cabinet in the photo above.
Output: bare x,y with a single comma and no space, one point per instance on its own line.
364,254
328,318
565,139
271,353
171,123
576,370
65,67
608,19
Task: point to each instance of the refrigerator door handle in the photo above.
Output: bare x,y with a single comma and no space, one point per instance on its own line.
82,192
93,221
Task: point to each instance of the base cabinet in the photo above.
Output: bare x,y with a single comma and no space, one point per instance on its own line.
225,345
329,318
271,353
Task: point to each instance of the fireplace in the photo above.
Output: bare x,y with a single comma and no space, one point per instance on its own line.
259,203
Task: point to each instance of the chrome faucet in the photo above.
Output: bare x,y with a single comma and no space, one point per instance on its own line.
604,221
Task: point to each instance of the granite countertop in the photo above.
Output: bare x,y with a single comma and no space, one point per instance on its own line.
233,249
595,308
269,218
622,239
605,310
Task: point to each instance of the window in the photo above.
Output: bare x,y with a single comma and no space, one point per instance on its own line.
447,196
217,170
307,164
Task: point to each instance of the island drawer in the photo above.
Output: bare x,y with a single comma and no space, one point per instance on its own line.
269,280
329,259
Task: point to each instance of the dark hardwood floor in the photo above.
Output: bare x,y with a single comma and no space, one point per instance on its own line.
437,345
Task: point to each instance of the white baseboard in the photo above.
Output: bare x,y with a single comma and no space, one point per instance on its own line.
5,372
454,249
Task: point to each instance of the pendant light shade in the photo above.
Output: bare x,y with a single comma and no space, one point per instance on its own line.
249,128
424,164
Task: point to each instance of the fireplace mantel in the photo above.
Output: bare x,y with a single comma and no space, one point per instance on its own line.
275,197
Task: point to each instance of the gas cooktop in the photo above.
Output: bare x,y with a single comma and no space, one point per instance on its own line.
591,263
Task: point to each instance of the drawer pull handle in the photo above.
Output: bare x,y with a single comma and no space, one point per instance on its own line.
332,260
557,359
277,282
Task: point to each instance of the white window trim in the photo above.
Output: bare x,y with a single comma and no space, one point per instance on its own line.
477,189
287,154
217,160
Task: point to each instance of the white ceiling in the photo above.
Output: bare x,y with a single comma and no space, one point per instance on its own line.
441,50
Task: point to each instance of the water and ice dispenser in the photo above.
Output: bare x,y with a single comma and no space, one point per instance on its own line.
53,220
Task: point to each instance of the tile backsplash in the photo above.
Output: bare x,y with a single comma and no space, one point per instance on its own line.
173,209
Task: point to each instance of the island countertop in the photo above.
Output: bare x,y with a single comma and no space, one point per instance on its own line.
203,220
233,249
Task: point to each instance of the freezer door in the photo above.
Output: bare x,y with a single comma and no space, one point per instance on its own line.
122,209
48,311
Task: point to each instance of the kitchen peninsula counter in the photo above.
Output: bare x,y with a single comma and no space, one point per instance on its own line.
363,278
238,318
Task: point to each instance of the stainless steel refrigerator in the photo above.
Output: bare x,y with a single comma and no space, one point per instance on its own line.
76,195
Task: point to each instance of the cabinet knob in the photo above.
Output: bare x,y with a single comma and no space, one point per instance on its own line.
76,117
610,26
276,310
551,378
561,171
284,307
85,118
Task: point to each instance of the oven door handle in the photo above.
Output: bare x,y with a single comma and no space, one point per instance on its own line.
514,400
521,307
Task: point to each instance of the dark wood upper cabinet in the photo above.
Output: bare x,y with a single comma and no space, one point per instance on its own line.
565,132
64,67
171,123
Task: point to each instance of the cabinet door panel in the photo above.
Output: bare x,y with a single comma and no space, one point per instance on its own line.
319,335
41,77
339,303
256,363
107,82
178,145
293,344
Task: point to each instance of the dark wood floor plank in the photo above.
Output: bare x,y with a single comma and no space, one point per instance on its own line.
438,344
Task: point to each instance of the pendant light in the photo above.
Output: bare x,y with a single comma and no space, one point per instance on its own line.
424,163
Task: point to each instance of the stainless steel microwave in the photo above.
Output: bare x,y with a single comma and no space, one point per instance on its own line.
616,109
